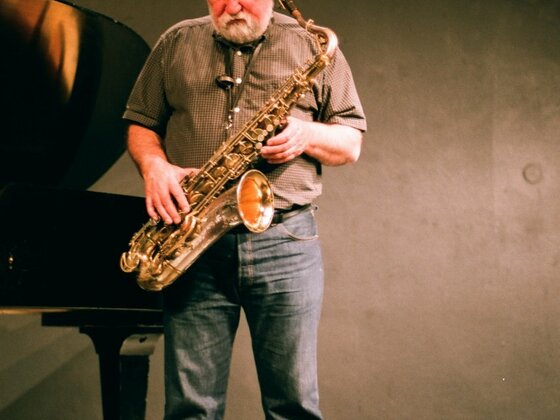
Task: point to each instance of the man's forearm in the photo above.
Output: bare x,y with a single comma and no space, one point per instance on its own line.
144,146
333,144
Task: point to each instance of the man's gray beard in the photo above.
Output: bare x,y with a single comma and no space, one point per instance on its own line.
241,33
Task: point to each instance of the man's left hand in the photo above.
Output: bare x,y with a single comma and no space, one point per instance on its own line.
287,144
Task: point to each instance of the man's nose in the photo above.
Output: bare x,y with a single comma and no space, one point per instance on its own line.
233,7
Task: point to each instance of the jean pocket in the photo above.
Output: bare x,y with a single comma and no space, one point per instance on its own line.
301,227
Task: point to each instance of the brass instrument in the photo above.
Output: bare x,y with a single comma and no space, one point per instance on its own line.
160,253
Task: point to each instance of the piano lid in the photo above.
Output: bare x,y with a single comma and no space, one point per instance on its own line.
65,79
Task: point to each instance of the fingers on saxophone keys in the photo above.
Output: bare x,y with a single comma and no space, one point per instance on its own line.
181,202
172,215
164,209
168,217
150,208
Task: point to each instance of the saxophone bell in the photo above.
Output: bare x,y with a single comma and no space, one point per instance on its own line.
255,201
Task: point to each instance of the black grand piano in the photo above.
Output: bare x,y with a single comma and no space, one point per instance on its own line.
65,77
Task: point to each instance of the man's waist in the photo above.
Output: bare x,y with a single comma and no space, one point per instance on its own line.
281,215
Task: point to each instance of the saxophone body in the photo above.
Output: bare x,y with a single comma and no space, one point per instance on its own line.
226,192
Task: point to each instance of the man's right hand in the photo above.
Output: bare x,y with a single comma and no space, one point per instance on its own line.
164,195
162,180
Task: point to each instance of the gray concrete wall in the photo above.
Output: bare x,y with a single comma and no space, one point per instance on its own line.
442,244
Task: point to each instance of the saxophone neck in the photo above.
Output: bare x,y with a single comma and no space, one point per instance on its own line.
326,38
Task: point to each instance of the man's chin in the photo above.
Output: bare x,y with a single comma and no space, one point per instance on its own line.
238,35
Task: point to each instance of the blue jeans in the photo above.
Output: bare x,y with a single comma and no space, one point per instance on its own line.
276,277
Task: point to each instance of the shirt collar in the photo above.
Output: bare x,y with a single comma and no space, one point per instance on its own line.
248,47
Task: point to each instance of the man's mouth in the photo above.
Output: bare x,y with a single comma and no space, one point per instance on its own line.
237,21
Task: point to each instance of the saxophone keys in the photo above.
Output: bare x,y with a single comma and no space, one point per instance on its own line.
231,161
129,261
204,186
218,172
245,148
188,225
258,135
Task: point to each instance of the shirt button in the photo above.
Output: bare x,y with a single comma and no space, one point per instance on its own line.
238,80
238,52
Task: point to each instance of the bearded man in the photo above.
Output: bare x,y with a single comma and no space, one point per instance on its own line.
203,80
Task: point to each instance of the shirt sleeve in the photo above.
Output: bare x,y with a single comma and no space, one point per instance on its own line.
340,100
147,104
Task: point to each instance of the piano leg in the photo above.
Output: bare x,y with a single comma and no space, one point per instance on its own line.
123,365
134,386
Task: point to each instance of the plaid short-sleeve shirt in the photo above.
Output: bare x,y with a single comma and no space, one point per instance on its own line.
177,96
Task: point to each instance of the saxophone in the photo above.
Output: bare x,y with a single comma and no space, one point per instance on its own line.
160,253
